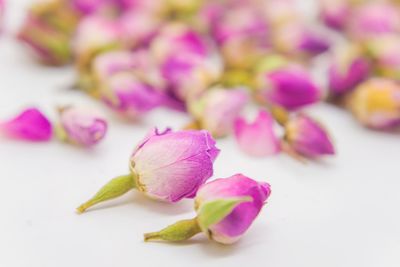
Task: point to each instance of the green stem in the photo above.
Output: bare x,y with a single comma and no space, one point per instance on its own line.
179,231
113,189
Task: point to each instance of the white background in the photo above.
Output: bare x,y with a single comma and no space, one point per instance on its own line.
343,211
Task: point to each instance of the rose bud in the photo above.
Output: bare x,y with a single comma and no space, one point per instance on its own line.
257,138
217,109
225,209
30,125
297,39
386,55
81,126
130,97
166,166
290,87
376,103
374,19
335,14
347,69
307,137
189,72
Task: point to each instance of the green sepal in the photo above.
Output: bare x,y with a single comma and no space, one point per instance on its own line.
176,232
215,211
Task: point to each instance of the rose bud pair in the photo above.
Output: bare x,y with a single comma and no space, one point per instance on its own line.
257,138
376,103
225,209
217,109
305,137
47,30
81,126
348,68
30,125
166,166
290,87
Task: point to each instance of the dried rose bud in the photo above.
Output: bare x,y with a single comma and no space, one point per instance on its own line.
130,97
217,109
167,166
290,87
297,39
81,126
196,66
386,55
376,103
348,68
226,208
307,137
47,30
335,14
374,19
30,125
257,138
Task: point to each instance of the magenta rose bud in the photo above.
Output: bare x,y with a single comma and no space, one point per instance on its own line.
307,137
348,68
217,109
81,126
30,125
289,87
129,96
166,166
226,208
257,138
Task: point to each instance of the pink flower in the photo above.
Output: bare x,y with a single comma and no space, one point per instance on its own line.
307,137
217,109
257,138
226,208
348,69
166,166
376,103
81,126
335,14
129,96
289,87
30,125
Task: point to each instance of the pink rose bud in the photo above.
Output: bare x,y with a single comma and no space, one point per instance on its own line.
348,68
335,14
307,137
376,103
217,109
81,126
130,97
374,19
290,87
30,125
226,208
257,138
167,166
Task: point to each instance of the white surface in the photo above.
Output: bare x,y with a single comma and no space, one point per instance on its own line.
341,212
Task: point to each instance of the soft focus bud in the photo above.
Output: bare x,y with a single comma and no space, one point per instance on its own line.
307,137
226,208
290,87
81,126
166,166
30,125
257,138
376,103
47,30
335,14
217,109
348,68
374,19
129,96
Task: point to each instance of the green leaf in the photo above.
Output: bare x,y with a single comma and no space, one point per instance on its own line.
215,211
